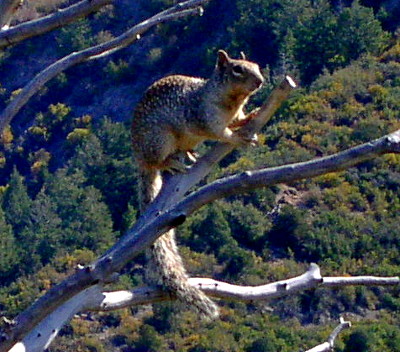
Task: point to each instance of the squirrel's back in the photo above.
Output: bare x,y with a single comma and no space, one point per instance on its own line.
170,93
168,101
163,118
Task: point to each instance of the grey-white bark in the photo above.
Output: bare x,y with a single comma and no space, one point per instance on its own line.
95,299
20,32
250,180
328,345
183,9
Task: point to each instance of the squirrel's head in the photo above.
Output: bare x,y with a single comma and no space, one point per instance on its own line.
241,75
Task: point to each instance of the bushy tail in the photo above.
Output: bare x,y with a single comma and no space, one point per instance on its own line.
168,269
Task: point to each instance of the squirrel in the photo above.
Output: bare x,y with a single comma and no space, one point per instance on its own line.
175,114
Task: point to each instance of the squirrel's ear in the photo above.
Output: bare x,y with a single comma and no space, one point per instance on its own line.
223,59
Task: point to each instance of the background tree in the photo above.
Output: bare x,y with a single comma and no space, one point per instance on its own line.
10,259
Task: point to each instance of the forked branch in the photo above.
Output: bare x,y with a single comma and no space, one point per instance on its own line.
251,180
328,345
60,18
176,186
190,7
96,300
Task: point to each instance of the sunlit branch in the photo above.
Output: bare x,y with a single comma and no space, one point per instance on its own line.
45,24
184,9
95,299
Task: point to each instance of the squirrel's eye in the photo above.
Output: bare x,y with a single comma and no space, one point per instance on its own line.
237,70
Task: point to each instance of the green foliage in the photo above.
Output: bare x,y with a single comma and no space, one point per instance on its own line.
47,226
10,258
253,33
93,345
78,135
269,343
316,45
212,233
149,340
75,37
288,228
17,204
119,71
303,35
51,124
373,338
85,220
106,161
249,224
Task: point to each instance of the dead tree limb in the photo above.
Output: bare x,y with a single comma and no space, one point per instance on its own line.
251,180
328,345
95,299
60,18
190,7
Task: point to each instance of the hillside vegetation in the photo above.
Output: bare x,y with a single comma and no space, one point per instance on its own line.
68,182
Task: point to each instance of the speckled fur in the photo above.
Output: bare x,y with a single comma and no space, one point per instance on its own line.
176,114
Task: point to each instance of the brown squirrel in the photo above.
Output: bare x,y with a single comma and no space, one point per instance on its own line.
175,114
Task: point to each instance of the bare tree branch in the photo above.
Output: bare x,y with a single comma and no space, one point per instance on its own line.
250,180
335,333
328,346
50,22
44,333
310,279
96,300
183,9
7,11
